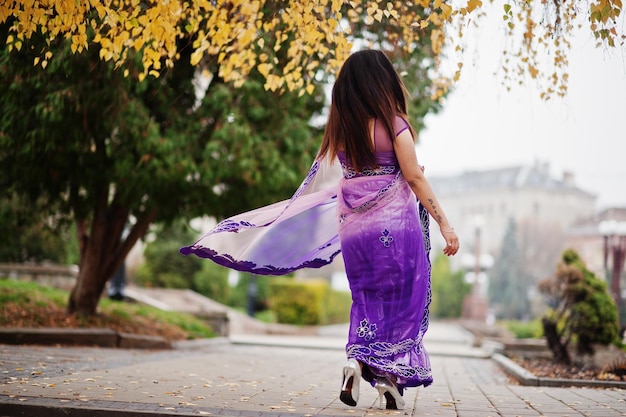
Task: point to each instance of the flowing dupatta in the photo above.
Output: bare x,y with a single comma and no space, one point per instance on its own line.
283,237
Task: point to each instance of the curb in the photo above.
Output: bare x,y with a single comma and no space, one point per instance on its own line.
81,337
527,378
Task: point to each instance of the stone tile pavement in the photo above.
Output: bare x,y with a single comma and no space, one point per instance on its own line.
268,377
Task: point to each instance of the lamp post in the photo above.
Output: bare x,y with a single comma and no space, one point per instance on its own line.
614,234
475,305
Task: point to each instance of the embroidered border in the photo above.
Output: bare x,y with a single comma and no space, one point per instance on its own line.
349,172
377,353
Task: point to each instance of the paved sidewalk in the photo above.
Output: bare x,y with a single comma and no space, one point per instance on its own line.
268,376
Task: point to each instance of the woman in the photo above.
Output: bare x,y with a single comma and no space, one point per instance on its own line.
371,216
382,239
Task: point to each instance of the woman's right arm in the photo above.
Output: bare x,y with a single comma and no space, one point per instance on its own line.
405,152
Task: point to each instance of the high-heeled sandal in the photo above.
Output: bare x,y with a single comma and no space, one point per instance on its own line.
390,392
350,386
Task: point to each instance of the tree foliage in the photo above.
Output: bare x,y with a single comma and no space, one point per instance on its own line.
164,267
28,237
96,146
241,36
583,311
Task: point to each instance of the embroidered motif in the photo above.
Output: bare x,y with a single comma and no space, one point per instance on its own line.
395,367
367,330
229,225
386,238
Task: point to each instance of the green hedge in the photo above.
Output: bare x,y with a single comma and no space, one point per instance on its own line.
308,302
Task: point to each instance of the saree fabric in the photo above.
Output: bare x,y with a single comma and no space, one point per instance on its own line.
373,219
283,237
384,244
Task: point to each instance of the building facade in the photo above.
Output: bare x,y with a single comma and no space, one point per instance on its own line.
486,201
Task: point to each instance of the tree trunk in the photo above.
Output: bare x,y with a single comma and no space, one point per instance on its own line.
99,255
103,252
88,288
558,349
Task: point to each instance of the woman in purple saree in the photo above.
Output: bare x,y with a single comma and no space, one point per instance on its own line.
369,212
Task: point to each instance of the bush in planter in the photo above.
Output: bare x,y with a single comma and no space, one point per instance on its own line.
583,311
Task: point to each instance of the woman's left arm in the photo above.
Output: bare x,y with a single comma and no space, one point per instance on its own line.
414,175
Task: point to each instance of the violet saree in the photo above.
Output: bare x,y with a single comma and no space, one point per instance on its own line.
385,245
374,220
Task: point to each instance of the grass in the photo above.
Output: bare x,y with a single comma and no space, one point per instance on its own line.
27,304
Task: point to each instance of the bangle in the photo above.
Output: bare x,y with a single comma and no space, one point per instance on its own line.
447,231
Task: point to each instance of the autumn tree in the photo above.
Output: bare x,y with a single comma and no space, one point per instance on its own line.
86,133
114,155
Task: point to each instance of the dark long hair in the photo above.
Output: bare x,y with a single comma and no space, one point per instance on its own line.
367,87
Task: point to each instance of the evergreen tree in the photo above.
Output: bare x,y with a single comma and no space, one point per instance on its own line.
508,286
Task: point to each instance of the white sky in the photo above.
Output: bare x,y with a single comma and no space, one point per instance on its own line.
483,126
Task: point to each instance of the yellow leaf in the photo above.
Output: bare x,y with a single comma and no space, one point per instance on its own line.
264,69
446,10
36,61
473,4
196,56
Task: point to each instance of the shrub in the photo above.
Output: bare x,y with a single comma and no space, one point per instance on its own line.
165,266
448,288
145,277
297,302
584,312
525,329
337,305
308,302
212,282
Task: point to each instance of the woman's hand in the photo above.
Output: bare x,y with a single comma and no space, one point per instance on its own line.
452,242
